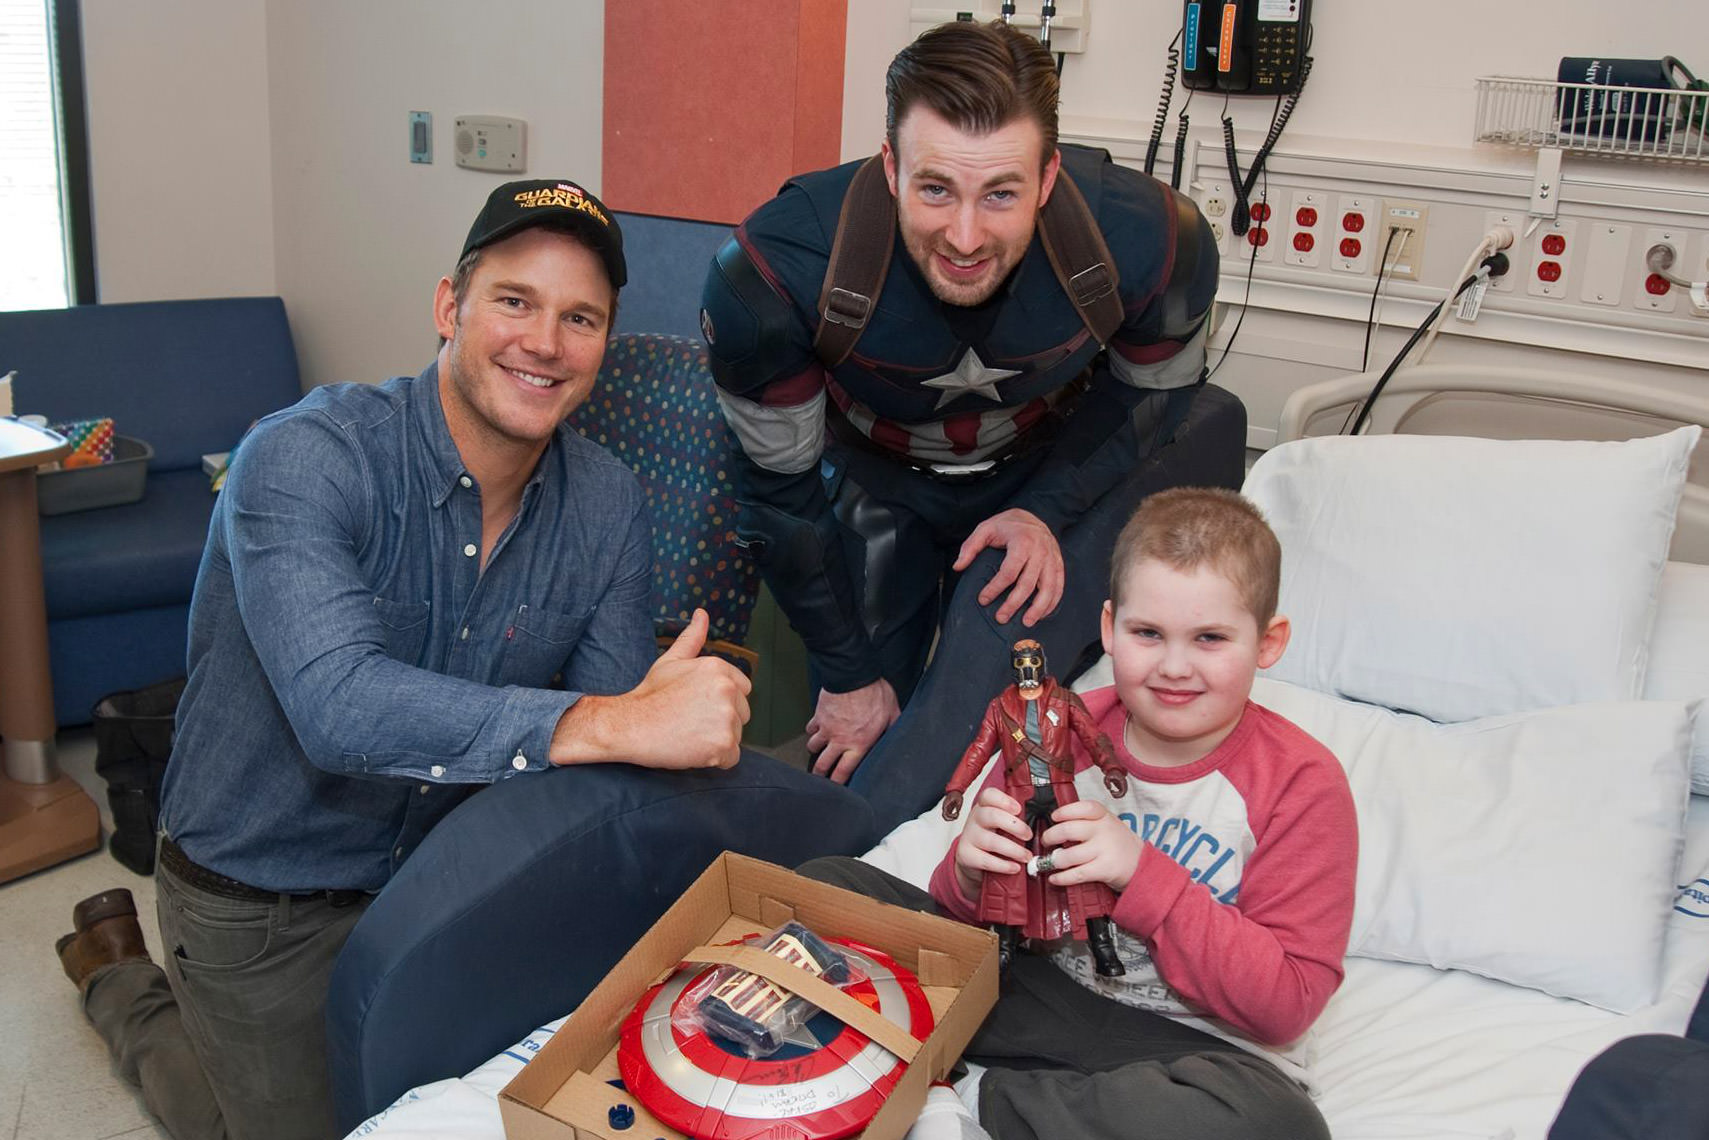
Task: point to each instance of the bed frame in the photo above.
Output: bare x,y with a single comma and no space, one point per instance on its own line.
1555,405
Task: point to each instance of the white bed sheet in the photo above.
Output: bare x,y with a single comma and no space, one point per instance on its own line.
1404,1052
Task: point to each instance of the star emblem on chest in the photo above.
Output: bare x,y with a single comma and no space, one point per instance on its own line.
971,376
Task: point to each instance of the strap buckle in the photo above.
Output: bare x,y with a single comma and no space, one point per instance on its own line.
844,307
1092,285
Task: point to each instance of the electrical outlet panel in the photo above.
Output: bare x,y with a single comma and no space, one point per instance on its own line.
1516,221
1261,234
1700,272
1306,228
1553,250
1655,294
1356,221
1215,203
1406,253
485,142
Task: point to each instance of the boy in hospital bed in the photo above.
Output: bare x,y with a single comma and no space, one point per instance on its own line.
1231,855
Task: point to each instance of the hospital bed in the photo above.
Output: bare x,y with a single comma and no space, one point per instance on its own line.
1534,874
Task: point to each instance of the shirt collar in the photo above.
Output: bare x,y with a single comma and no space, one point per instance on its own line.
435,436
447,462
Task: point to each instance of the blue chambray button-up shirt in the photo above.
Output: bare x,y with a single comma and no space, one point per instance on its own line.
353,671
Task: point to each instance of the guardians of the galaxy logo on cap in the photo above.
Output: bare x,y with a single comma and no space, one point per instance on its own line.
565,195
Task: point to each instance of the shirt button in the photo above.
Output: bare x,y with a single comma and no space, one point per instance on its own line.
438,770
471,550
519,761
466,481
465,634
398,853
425,788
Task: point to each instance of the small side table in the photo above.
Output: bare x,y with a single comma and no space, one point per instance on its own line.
45,817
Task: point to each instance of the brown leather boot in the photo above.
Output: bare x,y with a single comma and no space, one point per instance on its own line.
106,932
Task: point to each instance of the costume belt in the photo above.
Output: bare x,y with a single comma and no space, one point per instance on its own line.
1038,435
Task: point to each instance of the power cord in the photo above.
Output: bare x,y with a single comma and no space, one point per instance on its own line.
1383,267
1246,301
1494,265
1157,124
1493,242
1279,117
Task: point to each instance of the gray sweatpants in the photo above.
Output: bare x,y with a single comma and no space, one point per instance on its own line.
230,1039
1063,1061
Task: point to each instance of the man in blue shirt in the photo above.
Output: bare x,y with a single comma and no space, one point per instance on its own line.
394,577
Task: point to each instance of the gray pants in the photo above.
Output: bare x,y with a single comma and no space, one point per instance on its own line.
1064,1061
230,1039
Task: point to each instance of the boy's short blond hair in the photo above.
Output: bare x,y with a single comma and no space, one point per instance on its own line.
1190,527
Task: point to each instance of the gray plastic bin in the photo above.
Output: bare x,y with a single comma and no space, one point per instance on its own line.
85,488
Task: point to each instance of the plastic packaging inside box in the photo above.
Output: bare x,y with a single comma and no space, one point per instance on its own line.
108,485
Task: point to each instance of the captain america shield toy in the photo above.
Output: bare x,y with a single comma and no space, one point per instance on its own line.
708,1089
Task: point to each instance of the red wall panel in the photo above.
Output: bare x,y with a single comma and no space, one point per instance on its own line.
710,106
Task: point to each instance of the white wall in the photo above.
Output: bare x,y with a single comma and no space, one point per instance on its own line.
1384,72
362,233
180,151
259,146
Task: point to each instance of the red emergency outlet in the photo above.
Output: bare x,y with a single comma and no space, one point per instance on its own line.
1304,242
1261,211
1306,216
1258,235
1554,244
1352,221
1657,285
1351,247
1549,270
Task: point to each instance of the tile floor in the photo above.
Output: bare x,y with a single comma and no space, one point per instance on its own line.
56,1079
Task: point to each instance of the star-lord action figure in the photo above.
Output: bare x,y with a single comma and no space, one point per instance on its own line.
1031,723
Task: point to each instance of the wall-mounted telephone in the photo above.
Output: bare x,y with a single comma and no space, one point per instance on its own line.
1245,47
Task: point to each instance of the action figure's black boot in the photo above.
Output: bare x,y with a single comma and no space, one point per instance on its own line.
1008,941
1101,938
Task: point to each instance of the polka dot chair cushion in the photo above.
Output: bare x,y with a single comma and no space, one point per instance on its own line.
655,409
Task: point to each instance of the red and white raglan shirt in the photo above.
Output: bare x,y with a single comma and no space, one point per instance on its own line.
1237,917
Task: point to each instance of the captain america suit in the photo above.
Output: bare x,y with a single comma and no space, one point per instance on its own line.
858,483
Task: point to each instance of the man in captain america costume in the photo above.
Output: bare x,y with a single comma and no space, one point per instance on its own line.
976,426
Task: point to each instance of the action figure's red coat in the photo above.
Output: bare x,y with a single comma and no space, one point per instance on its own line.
1039,909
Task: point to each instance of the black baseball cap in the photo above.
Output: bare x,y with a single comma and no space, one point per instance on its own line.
557,202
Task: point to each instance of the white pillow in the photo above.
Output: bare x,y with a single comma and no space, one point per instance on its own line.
1459,578
1679,653
1538,848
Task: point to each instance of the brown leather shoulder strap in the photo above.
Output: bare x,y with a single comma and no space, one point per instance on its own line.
1081,258
860,258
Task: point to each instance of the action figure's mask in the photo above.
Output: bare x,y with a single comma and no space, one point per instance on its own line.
1028,661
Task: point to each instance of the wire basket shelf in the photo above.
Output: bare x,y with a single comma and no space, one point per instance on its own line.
1590,118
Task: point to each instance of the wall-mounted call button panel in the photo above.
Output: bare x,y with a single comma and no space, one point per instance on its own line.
485,142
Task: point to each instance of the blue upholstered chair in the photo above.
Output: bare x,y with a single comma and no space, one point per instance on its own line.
654,408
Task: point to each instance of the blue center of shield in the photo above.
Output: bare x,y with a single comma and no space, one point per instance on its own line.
822,1027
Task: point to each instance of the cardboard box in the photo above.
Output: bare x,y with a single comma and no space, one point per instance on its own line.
562,1094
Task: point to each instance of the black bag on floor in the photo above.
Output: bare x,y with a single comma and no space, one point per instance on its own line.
133,741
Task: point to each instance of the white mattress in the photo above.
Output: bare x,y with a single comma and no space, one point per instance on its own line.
1404,1052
